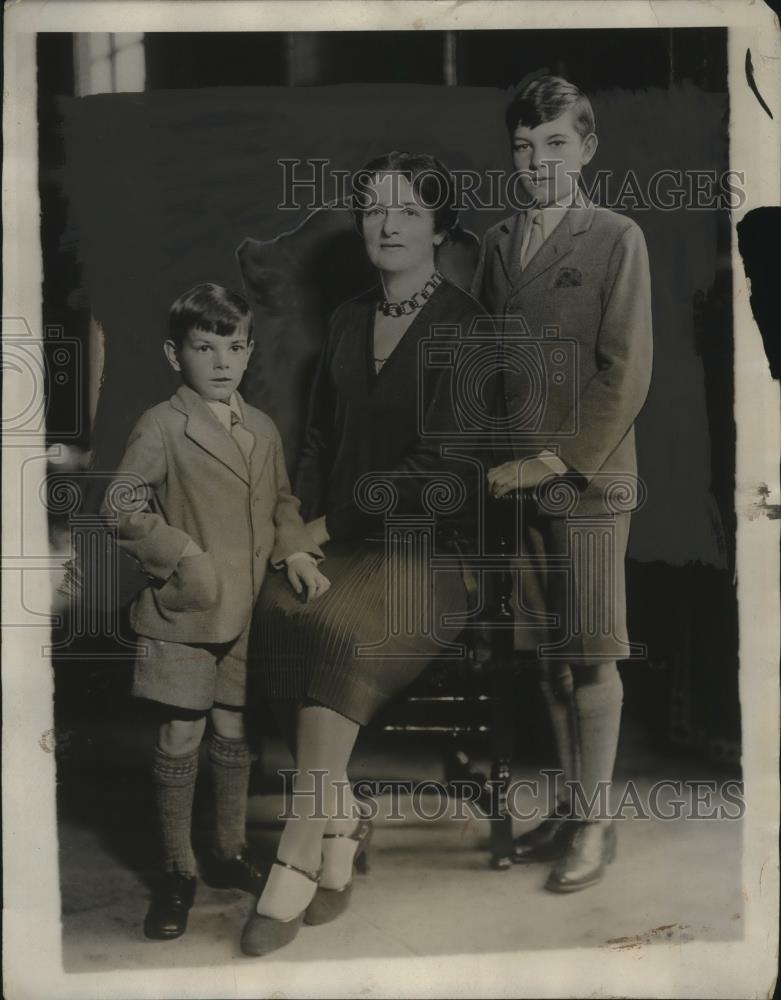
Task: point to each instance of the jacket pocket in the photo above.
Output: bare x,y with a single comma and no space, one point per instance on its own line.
192,586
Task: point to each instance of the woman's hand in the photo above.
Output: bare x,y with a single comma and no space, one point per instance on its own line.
519,474
303,573
318,530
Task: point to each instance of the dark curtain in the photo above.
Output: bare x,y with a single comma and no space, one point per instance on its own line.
164,187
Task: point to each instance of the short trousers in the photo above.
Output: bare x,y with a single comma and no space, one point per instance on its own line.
572,605
194,677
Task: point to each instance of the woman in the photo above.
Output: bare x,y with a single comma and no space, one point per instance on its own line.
364,418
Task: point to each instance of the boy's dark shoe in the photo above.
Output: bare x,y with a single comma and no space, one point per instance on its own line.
241,872
546,842
591,849
171,901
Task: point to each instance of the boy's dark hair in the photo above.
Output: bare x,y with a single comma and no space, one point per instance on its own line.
208,307
430,180
544,99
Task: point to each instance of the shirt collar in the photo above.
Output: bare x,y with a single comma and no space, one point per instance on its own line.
552,215
217,408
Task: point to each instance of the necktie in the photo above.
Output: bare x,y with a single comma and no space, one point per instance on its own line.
533,239
244,439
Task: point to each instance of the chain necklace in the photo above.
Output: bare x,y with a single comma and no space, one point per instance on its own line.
408,306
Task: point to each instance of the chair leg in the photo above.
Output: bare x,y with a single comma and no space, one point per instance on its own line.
459,769
502,746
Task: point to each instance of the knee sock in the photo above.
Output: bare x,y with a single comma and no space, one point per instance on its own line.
174,780
558,692
230,766
599,721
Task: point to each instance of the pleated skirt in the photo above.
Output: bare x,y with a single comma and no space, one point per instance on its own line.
365,640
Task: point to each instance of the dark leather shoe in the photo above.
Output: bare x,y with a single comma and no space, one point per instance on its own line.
171,901
241,872
591,849
545,842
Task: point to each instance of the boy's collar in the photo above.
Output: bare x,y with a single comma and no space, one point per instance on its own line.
578,201
232,403
579,218
189,398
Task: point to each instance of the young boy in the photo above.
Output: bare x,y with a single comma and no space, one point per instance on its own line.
205,505
582,271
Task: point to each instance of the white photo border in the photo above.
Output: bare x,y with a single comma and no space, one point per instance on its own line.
32,939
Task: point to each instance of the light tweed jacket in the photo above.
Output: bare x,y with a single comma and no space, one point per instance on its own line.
182,478
588,287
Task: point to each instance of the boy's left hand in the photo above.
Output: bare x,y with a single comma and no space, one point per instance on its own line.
304,574
517,475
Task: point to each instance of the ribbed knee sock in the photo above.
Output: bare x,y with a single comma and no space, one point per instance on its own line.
230,766
174,780
599,721
558,693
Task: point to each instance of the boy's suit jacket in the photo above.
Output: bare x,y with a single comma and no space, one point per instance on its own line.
185,478
590,280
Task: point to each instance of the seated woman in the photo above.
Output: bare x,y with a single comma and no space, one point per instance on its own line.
364,418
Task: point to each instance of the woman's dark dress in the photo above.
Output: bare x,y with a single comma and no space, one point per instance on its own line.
361,422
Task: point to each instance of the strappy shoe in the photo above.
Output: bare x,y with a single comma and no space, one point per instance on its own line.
263,934
328,904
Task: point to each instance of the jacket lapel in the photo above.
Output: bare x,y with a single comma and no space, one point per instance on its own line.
553,249
205,431
508,246
261,448
558,245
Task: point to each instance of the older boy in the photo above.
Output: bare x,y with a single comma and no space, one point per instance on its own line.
582,271
206,505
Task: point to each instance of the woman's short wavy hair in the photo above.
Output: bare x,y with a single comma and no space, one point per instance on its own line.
430,179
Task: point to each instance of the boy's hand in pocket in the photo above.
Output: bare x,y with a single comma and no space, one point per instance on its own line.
303,574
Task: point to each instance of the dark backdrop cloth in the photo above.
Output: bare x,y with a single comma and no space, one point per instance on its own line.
164,187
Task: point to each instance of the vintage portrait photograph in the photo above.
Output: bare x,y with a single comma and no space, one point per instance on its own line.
391,500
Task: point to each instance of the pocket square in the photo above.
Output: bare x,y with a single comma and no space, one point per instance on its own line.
568,277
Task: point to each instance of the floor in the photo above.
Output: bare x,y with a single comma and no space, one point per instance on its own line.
429,890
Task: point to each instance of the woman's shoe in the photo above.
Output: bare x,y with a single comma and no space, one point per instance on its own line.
328,904
264,934
591,849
